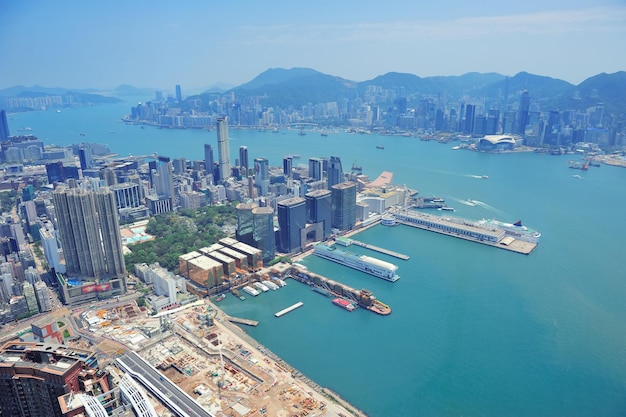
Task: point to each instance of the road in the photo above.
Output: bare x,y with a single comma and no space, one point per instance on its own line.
164,389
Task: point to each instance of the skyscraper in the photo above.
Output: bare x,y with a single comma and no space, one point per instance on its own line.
261,175
179,94
89,232
344,205
263,234
243,160
335,172
319,209
291,220
4,126
287,165
245,226
162,179
316,168
208,160
523,113
223,149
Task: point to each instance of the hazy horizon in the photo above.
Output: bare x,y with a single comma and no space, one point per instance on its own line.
157,45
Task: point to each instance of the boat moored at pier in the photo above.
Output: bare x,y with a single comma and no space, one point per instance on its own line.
367,264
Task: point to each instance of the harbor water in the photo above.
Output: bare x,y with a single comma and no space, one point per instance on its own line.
475,330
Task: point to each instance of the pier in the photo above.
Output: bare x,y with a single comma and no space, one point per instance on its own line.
238,320
381,250
289,309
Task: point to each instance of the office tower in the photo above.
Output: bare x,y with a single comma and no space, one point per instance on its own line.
291,220
316,168
179,94
43,296
51,249
33,377
319,209
245,226
263,232
335,172
180,166
553,129
31,299
343,205
243,160
85,158
287,165
261,175
523,113
470,114
162,178
4,126
89,231
127,195
223,149
209,163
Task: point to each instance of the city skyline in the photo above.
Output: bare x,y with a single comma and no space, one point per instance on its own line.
83,45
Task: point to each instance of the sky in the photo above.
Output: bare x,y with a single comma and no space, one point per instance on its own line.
202,43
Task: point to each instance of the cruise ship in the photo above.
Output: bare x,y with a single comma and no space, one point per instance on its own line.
515,230
367,264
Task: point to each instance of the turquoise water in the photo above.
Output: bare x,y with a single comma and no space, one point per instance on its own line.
475,331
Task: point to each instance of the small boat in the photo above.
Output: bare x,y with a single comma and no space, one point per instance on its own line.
446,208
380,147
485,177
577,176
324,134
220,297
242,298
457,147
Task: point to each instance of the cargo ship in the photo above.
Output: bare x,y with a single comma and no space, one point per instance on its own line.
345,304
367,264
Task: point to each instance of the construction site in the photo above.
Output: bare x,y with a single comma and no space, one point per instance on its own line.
213,361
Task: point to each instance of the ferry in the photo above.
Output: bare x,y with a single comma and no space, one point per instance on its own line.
446,208
345,304
367,264
380,147
251,291
260,287
270,285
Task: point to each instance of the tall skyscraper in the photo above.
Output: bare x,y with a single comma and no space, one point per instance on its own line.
261,175
335,172
223,148
4,126
344,205
89,232
243,160
316,168
287,165
291,220
179,94
470,114
162,171
263,232
319,209
523,113
208,160
245,226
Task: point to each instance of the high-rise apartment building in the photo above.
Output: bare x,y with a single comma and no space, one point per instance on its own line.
335,172
4,126
33,377
291,221
223,148
344,205
89,232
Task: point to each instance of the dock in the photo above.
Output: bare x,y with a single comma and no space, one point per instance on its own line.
381,250
289,309
238,320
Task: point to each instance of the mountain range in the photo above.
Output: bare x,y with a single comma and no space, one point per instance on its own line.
295,87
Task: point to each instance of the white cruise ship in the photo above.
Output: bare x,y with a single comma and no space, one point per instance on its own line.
515,230
367,264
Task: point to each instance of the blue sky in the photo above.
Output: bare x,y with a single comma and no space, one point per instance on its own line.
157,44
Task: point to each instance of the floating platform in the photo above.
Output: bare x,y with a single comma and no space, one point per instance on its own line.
289,309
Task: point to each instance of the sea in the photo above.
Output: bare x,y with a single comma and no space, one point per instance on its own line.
475,330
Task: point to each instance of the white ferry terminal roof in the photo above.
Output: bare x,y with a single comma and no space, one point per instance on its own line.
499,139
